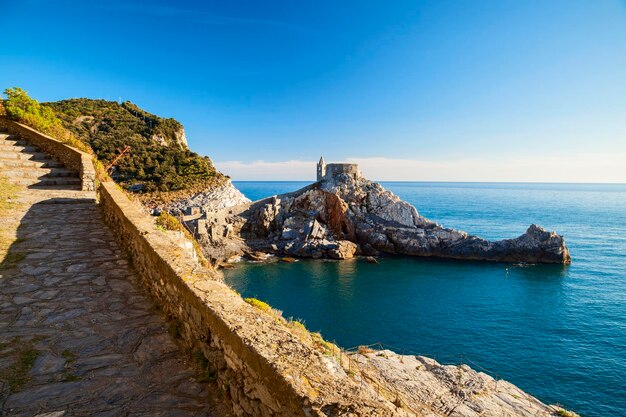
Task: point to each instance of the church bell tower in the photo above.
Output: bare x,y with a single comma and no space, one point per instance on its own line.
321,169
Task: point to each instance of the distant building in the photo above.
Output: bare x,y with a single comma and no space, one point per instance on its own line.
330,171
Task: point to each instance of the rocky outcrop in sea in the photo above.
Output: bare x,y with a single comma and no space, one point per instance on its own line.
345,216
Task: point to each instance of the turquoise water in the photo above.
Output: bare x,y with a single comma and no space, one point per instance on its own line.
558,332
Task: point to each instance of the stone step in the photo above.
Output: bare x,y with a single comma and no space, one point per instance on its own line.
47,181
27,156
25,163
56,187
17,148
13,142
31,172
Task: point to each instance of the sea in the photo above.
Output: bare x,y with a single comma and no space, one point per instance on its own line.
556,331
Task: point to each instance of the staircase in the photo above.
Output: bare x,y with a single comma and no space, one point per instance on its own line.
26,165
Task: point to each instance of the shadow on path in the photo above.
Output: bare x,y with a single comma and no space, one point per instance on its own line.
77,334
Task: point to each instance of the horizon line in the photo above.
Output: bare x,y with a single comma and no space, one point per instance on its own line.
457,182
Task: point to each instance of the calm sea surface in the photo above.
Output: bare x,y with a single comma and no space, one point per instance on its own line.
558,332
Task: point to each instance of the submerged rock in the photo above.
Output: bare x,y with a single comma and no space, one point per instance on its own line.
371,260
347,216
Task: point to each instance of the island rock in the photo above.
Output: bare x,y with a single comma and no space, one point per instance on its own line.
344,215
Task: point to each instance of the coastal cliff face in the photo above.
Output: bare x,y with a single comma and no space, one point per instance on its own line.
158,161
349,216
210,200
177,138
428,388
271,366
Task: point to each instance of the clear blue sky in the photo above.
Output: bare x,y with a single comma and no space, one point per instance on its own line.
475,90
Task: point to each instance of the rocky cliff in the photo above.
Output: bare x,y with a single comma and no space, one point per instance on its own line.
210,200
158,160
178,138
427,388
348,216
268,365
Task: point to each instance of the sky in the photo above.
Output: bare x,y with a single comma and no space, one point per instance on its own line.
465,90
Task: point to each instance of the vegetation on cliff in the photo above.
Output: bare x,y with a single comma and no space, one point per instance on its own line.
19,106
158,160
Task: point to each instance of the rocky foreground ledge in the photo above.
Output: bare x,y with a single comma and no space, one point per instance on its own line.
348,216
427,388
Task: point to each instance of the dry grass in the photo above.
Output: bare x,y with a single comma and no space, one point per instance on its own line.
564,413
166,221
8,193
8,206
296,327
363,350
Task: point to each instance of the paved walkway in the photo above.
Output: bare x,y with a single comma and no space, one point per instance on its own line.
78,336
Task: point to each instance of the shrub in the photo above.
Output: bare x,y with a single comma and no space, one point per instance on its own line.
325,346
168,222
155,159
19,106
261,305
298,326
102,127
22,108
364,350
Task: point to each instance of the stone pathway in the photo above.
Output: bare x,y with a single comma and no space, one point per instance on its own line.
78,336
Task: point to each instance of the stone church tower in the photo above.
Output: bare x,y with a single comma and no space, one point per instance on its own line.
321,169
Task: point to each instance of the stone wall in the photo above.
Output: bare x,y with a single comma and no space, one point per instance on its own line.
265,367
262,366
71,157
332,170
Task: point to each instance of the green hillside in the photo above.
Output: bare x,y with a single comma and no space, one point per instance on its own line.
158,160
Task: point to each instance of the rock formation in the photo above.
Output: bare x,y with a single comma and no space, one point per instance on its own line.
427,388
346,216
179,138
220,197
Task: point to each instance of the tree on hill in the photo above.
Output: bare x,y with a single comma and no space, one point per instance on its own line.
19,106
157,159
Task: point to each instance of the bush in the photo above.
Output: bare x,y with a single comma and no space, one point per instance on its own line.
155,159
103,127
261,305
19,106
168,222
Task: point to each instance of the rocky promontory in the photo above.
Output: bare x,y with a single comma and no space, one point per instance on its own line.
348,215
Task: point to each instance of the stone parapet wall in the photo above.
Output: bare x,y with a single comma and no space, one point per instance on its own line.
265,365
71,157
263,368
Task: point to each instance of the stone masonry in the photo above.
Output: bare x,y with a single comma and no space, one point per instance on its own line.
78,336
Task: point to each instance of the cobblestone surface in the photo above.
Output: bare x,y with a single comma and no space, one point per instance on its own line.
78,337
